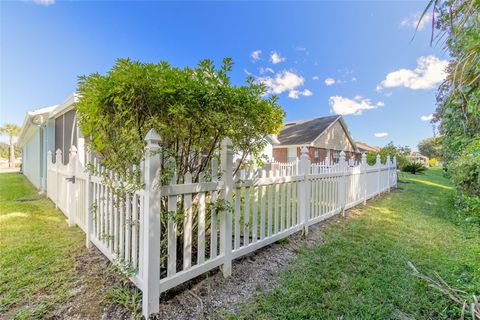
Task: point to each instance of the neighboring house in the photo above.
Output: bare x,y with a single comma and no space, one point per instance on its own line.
324,137
418,157
363,147
48,129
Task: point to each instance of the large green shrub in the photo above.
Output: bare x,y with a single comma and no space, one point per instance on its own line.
458,99
464,171
193,110
414,167
390,149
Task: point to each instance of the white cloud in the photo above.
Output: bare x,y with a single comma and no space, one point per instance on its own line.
265,70
381,134
275,57
282,81
426,117
356,106
354,79
430,72
295,94
329,81
307,93
316,78
44,2
256,55
413,20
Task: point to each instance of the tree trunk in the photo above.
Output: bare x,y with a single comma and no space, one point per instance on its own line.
11,162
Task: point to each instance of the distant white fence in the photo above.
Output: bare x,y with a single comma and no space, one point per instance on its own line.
169,234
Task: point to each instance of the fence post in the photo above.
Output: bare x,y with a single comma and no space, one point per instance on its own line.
342,188
363,170
58,161
378,163
88,201
71,198
226,215
388,172
303,188
151,227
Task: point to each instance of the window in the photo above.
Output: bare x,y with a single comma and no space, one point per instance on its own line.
65,133
336,155
292,154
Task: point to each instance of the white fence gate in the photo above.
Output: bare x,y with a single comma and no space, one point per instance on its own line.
169,234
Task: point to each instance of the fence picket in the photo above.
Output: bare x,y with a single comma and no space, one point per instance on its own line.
270,207
201,228
172,236
246,217
255,213
263,213
187,225
237,214
213,212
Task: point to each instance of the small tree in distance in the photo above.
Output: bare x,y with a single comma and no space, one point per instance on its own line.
10,130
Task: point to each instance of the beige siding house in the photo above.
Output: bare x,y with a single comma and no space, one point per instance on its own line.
325,138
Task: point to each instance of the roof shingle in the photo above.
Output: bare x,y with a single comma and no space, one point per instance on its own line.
304,131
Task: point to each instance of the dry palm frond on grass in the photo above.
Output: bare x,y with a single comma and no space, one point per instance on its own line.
457,296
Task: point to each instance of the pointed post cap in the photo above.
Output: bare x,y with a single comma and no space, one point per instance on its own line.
342,154
152,138
303,150
388,158
226,141
364,156
58,153
378,159
73,149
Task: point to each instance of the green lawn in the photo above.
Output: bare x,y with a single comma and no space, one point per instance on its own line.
37,252
361,271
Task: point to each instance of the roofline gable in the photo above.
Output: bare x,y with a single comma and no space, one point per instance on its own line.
345,128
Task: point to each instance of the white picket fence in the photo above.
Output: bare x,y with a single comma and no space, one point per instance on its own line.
169,234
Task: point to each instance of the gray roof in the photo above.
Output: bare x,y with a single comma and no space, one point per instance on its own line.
304,131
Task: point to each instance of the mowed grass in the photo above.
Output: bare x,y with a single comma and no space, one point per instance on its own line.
37,252
361,271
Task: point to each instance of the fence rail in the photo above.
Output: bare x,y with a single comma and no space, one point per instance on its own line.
168,234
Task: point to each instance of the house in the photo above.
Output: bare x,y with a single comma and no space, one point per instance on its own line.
48,129
363,147
324,137
418,157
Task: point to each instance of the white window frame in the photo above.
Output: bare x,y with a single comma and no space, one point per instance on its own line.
291,154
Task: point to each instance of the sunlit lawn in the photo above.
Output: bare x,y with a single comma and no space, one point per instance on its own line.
37,249
361,271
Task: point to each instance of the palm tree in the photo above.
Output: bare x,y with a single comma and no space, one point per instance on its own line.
10,130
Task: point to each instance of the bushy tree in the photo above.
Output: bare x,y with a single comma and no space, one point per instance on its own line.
431,147
400,152
457,23
193,110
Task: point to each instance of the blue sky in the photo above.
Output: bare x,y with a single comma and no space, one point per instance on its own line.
321,58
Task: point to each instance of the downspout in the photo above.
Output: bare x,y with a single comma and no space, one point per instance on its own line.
43,172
